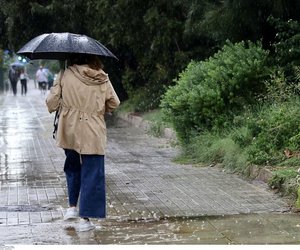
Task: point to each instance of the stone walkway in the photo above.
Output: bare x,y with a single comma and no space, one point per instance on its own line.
143,184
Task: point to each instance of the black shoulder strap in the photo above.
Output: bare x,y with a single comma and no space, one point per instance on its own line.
55,122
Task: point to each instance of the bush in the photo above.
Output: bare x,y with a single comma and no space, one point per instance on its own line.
255,136
275,128
273,122
207,93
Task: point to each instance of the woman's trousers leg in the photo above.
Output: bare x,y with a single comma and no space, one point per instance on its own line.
92,193
72,170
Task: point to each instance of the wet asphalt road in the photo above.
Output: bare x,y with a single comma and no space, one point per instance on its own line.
150,199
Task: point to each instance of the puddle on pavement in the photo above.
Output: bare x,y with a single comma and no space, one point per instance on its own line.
274,228
151,232
235,229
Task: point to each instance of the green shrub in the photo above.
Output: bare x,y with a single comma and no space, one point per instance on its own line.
276,127
175,103
257,136
277,87
208,93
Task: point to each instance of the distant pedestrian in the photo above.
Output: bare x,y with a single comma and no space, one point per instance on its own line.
6,84
23,80
83,93
13,75
41,78
50,77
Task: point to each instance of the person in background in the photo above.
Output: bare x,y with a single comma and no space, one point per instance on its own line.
50,77
41,78
23,80
13,75
83,93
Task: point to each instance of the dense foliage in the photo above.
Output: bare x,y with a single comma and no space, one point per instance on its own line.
154,40
207,93
253,118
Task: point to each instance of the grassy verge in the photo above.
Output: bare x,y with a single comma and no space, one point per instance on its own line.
155,117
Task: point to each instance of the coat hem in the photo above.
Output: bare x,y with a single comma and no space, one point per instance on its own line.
80,151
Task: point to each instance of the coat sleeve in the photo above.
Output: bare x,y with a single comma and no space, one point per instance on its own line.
112,100
54,97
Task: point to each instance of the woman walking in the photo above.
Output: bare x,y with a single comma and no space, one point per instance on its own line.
83,93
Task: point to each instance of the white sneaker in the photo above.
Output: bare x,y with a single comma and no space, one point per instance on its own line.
72,213
85,225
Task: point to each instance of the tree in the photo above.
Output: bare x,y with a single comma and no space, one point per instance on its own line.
247,19
27,19
147,36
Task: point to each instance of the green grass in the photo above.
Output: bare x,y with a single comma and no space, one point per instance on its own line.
157,122
155,117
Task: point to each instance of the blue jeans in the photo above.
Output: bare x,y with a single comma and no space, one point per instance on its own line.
86,181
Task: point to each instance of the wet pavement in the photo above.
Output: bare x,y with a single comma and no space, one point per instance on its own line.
150,199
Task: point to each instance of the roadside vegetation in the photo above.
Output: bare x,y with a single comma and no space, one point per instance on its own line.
238,108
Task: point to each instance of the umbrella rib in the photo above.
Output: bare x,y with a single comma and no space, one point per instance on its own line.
41,40
36,49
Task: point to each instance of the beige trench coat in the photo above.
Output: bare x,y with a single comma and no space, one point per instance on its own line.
86,95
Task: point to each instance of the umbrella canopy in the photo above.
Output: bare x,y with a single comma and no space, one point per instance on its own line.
18,65
59,46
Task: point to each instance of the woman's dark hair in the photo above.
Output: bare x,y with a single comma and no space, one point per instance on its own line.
93,61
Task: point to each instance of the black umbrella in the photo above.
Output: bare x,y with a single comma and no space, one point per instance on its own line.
18,65
59,46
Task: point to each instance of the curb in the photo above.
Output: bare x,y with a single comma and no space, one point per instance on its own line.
260,173
138,122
